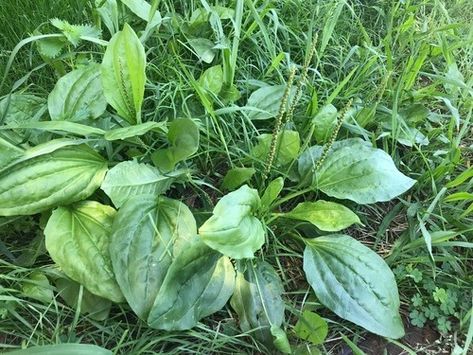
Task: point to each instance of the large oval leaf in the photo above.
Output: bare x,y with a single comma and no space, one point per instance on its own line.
358,172
123,74
257,300
354,282
78,95
148,233
49,175
287,149
325,215
265,101
198,283
130,178
232,230
78,239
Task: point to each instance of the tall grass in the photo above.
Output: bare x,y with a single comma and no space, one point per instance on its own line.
404,65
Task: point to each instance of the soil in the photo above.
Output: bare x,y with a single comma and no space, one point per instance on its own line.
422,340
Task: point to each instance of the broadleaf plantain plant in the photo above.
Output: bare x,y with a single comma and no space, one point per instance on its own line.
136,244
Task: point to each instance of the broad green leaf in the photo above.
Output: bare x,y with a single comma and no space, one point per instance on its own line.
265,102
129,178
257,300
62,349
78,239
325,215
16,109
9,152
148,234
199,282
354,282
50,175
94,306
311,327
123,74
212,79
203,48
78,95
236,177
307,161
360,173
287,150
232,229
183,138
19,108
272,192
133,131
324,122
37,286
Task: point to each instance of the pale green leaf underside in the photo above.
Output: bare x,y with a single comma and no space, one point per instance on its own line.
325,215
129,178
354,282
232,230
78,239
